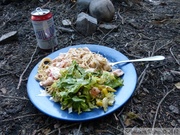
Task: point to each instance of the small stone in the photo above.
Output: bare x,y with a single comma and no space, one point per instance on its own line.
174,109
173,123
8,37
177,85
178,121
66,22
167,76
103,10
146,90
108,27
3,90
86,24
177,39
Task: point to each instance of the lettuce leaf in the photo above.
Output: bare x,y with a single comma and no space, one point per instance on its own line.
73,87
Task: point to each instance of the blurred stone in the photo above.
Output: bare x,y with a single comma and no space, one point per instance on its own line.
8,37
4,90
86,24
167,76
173,123
66,22
178,121
83,4
108,27
103,10
174,109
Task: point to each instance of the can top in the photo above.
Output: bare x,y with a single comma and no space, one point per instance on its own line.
40,12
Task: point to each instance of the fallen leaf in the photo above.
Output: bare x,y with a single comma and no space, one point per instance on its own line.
132,115
128,122
46,131
177,85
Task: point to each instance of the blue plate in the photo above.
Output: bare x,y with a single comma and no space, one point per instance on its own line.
44,104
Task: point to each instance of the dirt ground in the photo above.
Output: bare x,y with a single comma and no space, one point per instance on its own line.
145,29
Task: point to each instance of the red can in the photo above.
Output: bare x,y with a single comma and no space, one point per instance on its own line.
43,24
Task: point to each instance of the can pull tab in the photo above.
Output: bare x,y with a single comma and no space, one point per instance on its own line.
39,11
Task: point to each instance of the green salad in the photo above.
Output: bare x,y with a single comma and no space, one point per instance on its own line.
81,90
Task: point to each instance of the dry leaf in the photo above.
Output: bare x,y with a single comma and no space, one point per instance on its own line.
132,115
177,85
46,131
128,122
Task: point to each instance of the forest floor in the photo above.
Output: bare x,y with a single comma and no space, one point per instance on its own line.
145,29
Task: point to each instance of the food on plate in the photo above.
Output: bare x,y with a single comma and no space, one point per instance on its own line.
79,80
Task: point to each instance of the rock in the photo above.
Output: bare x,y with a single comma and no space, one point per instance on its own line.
174,109
108,27
8,37
167,76
173,123
3,90
66,22
86,24
83,4
103,10
178,121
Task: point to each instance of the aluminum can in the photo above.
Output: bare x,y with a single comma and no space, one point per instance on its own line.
43,24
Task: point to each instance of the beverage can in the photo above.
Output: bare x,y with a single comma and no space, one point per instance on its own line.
43,24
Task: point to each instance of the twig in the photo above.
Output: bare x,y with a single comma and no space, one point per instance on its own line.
120,112
45,4
175,72
122,123
99,131
153,50
116,118
106,35
122,22
4,74
114,128
20,117
141,77
13,97
129,54
79,129
7,71
162,46
20,78
155,117
174,56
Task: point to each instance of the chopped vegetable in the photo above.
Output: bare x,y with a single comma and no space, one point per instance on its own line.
80,90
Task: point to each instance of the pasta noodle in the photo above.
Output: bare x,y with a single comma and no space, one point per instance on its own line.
48,69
